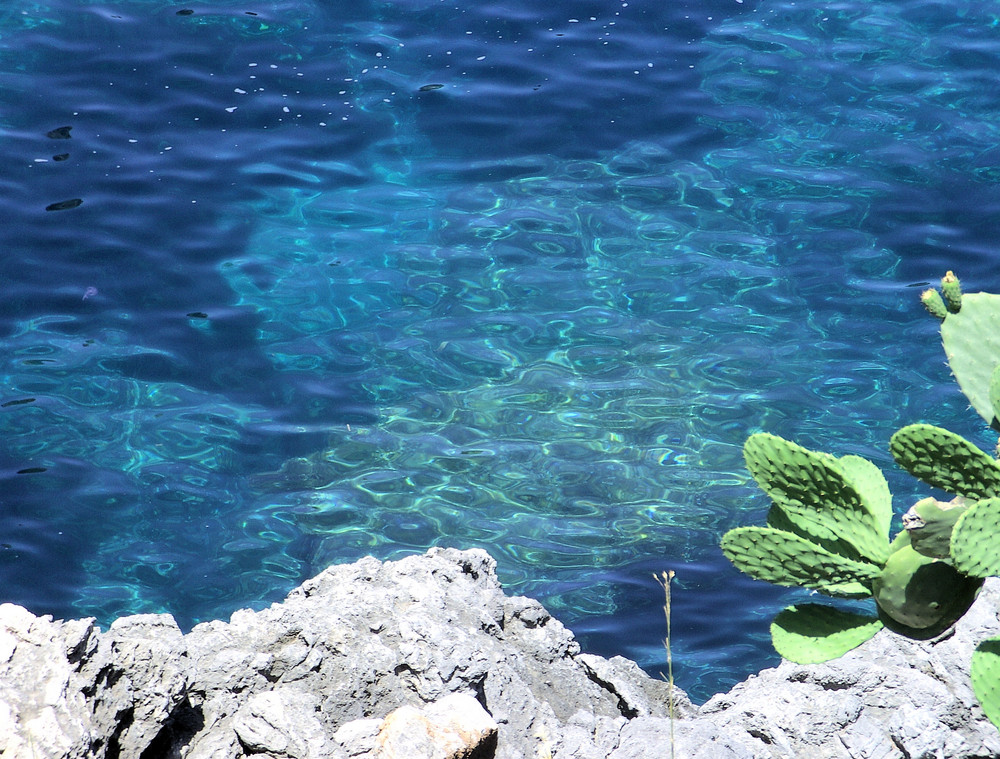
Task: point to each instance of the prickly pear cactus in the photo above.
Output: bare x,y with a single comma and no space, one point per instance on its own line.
945,460
929,523
837,503
828,530
934,303
984,672
784,558
813,633
970,332
975,539
920,592
828,526
951,288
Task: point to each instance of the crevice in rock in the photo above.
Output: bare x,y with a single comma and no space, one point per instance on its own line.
761,735
479,692
622,703
902,749
122,724
487,749
78,654
176,733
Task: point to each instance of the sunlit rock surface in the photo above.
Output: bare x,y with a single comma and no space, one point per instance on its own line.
426,657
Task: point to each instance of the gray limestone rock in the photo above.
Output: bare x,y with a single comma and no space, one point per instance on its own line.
454,727
426,656
892,697
140,675
282,722
372,637
43,708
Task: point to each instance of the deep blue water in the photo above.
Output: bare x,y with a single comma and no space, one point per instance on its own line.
362,278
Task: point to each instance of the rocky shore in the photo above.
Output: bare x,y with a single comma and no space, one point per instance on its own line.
427,658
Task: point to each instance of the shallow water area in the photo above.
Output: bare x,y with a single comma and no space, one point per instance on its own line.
290,285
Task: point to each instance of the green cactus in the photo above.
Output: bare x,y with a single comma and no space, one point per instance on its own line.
971,339
784,558
828,526
945,460
920,592
777,519
934,304
984,671
813,633
829,501
994,393
929,523
952,290
828,529
975,538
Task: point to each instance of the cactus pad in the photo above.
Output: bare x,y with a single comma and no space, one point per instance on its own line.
971,340
777,519
813,633
984,672
920,592
975,539
870,484
945,460
825,499
929,523
994,391
787,559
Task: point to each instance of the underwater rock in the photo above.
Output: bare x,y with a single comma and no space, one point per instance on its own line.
428,655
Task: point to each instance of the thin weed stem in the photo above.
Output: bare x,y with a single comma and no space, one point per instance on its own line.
664,579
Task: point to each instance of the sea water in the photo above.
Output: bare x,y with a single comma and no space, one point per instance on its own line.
287,284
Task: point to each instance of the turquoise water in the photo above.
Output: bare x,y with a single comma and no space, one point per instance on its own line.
290,284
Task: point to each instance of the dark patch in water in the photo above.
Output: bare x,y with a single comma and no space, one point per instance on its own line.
33,470
62,205
429,87
60,157
18,402
61,133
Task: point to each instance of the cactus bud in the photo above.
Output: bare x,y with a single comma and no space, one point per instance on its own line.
934,303
952,290
929,523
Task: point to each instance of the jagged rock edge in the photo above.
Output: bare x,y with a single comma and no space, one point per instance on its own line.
444,616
